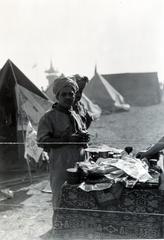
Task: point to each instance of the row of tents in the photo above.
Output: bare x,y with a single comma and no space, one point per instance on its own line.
21,101
117,92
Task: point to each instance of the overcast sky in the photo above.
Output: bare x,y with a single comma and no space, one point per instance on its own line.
117,35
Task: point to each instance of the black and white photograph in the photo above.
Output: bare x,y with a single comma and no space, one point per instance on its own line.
81,119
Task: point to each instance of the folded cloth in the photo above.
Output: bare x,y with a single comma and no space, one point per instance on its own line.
134,167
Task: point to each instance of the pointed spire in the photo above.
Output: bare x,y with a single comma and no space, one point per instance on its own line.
95,68
51,68
52,73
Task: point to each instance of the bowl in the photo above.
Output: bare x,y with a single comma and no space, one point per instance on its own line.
73,176
103,153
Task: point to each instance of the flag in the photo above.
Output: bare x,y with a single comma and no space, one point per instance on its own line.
31,148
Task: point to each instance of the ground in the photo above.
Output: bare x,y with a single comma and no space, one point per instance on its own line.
28,214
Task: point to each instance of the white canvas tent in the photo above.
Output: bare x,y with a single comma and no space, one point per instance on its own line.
91,107
32,105
20,101
138,88
105,95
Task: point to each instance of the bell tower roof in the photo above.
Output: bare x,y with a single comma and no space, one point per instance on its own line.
51,69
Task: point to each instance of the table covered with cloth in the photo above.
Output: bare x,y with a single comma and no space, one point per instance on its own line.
138,213
116,212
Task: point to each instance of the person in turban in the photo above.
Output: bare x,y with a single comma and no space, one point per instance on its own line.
86,116
64,82
62,134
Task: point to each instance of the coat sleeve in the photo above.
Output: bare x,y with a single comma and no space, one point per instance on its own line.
45,132
46,137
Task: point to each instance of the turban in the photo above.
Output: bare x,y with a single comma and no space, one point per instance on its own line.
63,82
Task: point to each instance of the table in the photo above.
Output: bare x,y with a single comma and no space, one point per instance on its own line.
137,213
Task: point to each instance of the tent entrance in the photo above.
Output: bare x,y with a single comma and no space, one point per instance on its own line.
10,149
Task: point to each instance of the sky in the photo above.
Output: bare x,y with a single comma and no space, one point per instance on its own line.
116,35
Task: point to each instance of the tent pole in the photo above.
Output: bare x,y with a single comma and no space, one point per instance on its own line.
18,105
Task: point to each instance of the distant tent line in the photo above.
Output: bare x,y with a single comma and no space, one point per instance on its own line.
99,96
115,92
138,89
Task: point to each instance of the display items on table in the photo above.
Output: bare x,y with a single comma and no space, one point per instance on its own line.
112,195
106,166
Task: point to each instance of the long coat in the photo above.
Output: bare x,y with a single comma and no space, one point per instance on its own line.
57,124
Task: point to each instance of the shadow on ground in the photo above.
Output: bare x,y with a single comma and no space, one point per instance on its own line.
15,202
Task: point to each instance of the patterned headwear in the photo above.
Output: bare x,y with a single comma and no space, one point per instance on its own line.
81,80
63,82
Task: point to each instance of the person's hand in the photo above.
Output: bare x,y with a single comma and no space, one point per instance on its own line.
73,138
140,155
85,137
79,137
